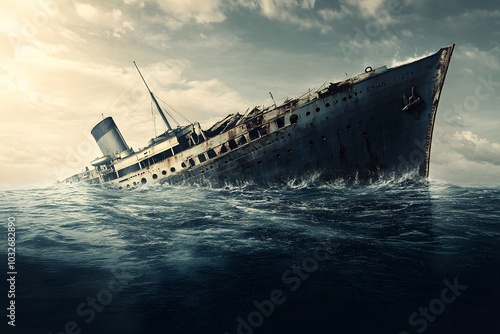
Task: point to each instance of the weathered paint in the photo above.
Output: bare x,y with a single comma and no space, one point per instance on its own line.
380,120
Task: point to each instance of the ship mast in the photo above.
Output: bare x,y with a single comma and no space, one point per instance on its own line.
160,110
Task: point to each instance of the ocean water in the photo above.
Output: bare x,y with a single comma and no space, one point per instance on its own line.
395,256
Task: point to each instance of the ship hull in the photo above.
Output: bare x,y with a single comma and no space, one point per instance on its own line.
358,133
378,123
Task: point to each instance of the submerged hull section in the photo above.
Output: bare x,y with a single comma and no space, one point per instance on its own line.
380,121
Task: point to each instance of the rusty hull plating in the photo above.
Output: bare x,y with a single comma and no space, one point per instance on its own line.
379,121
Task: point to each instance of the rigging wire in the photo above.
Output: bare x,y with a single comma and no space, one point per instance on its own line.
154,118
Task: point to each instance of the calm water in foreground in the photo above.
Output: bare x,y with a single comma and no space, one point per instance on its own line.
398,256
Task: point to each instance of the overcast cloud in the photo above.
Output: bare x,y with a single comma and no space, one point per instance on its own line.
63,63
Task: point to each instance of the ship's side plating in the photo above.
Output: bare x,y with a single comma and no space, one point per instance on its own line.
381,120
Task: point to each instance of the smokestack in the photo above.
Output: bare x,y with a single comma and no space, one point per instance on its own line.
109,138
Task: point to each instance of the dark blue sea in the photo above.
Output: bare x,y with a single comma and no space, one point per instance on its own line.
397,256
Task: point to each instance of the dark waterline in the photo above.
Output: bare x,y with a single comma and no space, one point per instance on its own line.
300,258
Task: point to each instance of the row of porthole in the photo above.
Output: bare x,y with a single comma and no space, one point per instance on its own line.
258,148
293,120
154,176
318,109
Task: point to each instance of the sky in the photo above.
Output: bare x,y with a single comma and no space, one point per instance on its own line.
64,64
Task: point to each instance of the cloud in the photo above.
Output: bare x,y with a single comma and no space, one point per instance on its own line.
105,22
487,58
184,11
299,13
474,148
366,7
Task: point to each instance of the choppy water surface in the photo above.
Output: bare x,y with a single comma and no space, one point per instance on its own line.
399,256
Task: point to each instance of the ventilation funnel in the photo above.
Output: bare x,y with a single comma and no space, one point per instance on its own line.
109,138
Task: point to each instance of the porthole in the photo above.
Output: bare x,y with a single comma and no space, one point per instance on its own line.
294,119
143,180
318,109
344,99
163,172
155,176
259,163
290,151
308,113
336,101
327,105
183,165
323,138
172,169
278,156
135,183
128,186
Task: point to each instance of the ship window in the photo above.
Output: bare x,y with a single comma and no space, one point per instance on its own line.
176,149
242,140
336,101
278,156
254,134
323,138
280,122
211,153
109,177
308,113
191,162
262,131
259,163
202,157
183,165
163,172
155,176
128,170
223,149
135,183
290,151
318,109
327,105
167,154
143,180
172,169
232,144
294,119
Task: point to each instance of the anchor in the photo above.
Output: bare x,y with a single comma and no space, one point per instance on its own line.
412,101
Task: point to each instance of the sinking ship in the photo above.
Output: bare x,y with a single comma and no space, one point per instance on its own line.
375,123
